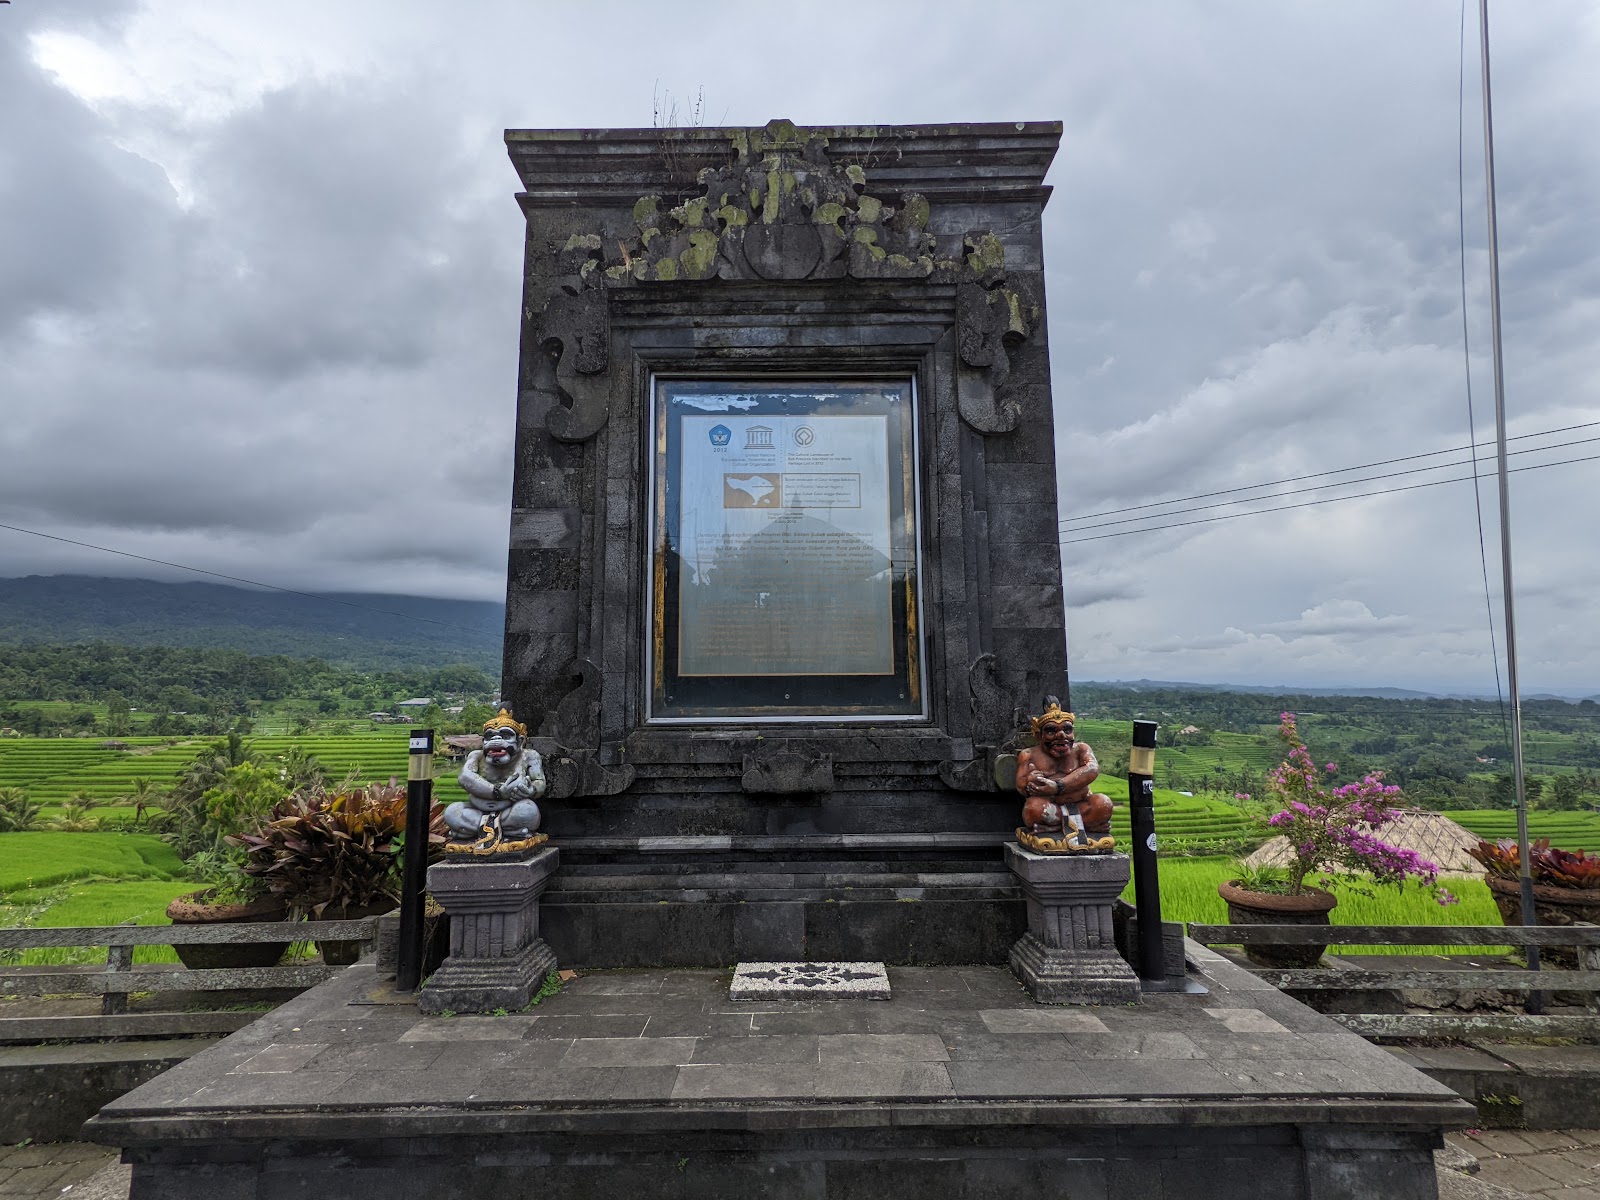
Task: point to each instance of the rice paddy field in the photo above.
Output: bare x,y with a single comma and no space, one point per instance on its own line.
53,880
1185,824
1189,893
54,770
120,873
1566,830
1228,751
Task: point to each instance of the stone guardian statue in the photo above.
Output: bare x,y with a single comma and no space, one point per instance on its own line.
1060,815
504,779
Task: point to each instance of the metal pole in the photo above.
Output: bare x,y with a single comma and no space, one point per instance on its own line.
1529,917
419,807
1146,874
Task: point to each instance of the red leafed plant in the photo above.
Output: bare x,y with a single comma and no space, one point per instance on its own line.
339,850
1547,865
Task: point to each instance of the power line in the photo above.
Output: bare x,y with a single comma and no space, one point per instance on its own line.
1410,487
1180,512
1111,512
237,579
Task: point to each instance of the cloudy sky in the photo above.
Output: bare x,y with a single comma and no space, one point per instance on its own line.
259,269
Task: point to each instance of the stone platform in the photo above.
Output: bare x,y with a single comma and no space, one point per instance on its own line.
656,1083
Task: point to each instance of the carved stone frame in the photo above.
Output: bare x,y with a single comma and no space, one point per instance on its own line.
896,287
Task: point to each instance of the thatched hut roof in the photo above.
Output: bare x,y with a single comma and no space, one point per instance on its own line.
1433,835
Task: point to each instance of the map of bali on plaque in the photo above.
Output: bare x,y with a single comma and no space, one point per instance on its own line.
784,551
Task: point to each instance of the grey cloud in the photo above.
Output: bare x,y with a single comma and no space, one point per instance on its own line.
296,359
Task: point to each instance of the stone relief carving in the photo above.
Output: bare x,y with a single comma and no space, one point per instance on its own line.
575,722
787,772
990,713
991,322
575,331
781,211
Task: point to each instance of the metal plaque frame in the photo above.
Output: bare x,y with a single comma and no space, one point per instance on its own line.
757,419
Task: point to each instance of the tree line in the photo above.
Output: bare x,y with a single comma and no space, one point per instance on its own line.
204,683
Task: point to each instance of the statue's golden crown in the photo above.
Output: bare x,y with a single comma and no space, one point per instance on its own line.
1052,714
504,720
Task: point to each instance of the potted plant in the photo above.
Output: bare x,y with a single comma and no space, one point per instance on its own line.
223,791
1329,831
1566,886
335,855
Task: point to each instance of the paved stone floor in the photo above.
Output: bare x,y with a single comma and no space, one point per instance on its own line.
650,1036
1562,1163
61,1169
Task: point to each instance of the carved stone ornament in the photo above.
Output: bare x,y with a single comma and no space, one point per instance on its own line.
575,722
779,211
990,721
787,773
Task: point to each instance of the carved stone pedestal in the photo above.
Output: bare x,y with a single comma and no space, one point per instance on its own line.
1069,954
497,959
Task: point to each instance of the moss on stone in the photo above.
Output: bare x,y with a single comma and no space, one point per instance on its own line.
583,241
829,214
986,253
1015,321
869,208
691,214
700,259
856,175
869,239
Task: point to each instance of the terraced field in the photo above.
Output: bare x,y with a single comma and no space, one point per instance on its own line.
1228,750
53,770
1184,824
1566,830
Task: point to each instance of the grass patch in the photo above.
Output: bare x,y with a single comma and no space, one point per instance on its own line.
1189,893
91,903
33,860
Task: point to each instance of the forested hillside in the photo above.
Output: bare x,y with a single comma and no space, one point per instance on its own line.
372,632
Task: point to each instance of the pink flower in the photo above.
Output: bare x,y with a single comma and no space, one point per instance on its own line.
1332,768
1241,795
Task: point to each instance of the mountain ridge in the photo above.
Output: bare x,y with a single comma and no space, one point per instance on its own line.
365,630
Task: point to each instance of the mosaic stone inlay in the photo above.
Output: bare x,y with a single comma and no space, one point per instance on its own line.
810,980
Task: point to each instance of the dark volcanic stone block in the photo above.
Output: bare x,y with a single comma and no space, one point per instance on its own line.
1069,954
496,959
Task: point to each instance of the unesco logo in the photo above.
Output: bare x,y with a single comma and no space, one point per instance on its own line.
804,436
720,435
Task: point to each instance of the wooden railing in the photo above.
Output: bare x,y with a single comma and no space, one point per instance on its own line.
1583,939
119,977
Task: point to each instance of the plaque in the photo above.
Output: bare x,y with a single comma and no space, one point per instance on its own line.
784,551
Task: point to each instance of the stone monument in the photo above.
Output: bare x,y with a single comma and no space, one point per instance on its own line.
776,599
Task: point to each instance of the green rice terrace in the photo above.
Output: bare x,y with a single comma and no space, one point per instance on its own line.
108,868
54,770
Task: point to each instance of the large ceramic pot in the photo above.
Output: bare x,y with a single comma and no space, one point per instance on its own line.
195,909
343,953
1263,908
1551,906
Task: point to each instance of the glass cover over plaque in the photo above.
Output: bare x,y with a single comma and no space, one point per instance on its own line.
783,574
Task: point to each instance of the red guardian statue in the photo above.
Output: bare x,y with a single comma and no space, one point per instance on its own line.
1060,815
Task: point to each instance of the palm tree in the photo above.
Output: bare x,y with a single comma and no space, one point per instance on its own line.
146,792
17,813
75,816
186,819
